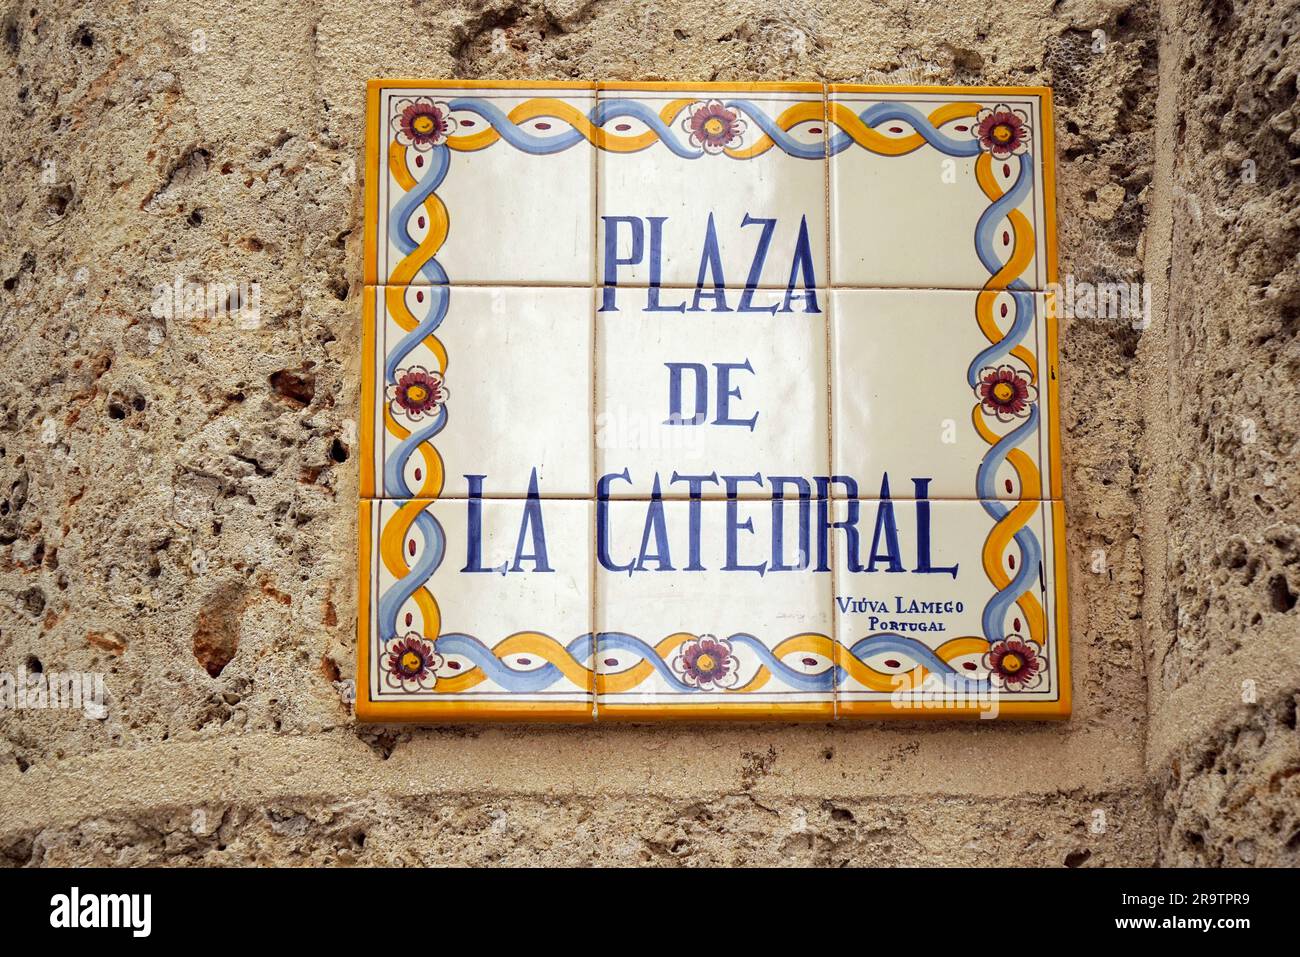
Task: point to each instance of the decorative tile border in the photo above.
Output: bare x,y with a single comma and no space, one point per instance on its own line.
419,132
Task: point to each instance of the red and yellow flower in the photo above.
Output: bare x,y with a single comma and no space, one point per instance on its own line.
712,126
1002,131
417,392
421,122
410,663
1005,392
707,663
1015,664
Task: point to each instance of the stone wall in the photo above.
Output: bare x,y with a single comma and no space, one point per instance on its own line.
1221,384
177,496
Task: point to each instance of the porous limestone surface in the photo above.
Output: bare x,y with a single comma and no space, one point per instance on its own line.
177,494
1221,470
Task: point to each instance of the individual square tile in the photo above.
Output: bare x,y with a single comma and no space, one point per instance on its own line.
458,401
711,610
949,189
949,393
947,609
695,396
474,609
471,181
707,183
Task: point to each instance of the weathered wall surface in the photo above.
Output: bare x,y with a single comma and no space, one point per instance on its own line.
176,495
1222,387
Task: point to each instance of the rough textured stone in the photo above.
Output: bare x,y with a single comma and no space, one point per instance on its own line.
176,494
1234,799
1223,570
1235,311
486,829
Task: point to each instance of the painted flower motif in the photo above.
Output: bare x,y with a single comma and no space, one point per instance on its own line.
713,127
421,122
1015,664
1005,392
1002,131
417,392
707,663
410,663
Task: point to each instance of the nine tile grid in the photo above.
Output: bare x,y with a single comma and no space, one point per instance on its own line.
595,286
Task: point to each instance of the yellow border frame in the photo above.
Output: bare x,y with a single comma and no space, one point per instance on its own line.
367,484
717,86
667,709
461,709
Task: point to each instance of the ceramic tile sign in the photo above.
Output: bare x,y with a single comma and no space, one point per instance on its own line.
709,401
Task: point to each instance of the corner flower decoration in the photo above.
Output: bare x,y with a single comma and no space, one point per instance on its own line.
422,122
410,663
1002,131
707,663
1005,392
1015,664
712,127
417,393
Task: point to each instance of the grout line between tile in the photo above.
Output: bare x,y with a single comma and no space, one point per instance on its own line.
826,182
595,354
591,411
830,391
